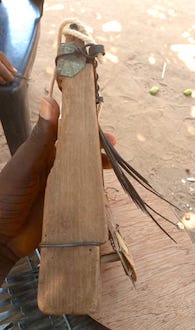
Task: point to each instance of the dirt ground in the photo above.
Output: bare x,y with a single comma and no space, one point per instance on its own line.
156,134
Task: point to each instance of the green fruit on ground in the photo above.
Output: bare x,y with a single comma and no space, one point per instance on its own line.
154,90
187,92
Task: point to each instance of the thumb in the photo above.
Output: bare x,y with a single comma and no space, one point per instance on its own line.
44,135
32,155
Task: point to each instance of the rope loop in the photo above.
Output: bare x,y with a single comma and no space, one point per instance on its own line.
74,27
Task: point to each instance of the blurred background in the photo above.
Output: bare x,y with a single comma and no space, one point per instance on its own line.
148,43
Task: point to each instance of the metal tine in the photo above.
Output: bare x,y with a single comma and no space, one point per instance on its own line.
32,322
24,299
27,320
62,326
3,291
11,326
8,303
30,308
27,280
20,299
10,316
44,323
31,275
21,311
31,314
63,321
20,293
21,289
18,305
37,252
4,295
55,322
33,261
38,321
67,322
8,326
21,284
5,302
24,313
41,321
5,308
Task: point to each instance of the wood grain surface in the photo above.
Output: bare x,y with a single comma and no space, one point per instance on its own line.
74,205
164,296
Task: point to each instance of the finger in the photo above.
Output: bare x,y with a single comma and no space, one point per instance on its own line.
51,159
111,137
2,81
24,176
5,73
29,238
31,157
46,131
5,61
105,162
49,110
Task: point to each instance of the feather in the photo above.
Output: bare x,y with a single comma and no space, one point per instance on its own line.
120,166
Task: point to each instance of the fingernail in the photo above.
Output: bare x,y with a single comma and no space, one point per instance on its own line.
14,69
111,137
45,111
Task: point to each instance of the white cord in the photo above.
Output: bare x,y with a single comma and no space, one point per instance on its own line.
64,31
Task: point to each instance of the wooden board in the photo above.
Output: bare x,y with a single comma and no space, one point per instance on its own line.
164,296
76,202
73,284
74,205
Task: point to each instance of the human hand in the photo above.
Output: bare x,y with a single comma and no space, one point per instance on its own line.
23,182
7,71
22,188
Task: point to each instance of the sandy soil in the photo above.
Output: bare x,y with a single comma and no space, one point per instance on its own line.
156,134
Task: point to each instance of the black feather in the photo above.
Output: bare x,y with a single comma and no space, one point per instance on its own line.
119,165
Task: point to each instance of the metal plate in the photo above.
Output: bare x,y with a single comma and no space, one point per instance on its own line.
69,62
